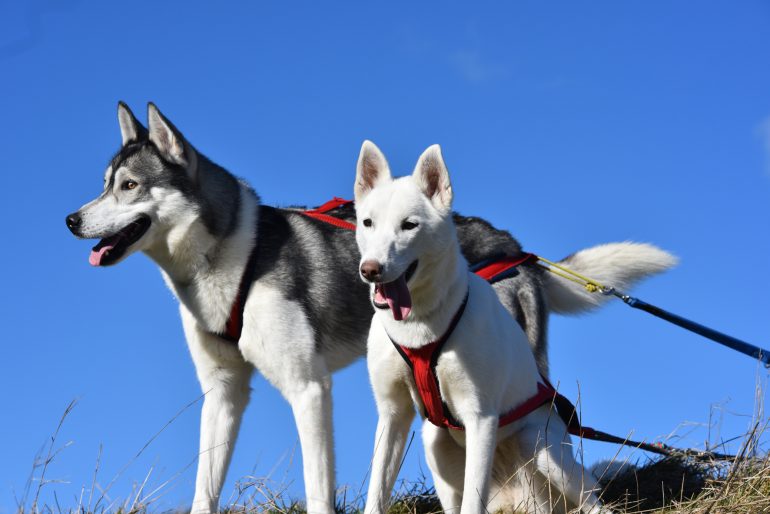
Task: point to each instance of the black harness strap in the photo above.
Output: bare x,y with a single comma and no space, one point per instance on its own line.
568,413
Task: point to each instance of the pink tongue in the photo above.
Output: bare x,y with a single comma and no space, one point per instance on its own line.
397,295
95,259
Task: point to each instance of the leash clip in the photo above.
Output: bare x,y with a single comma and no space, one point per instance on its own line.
607,291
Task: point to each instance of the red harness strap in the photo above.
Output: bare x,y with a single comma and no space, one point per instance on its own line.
544,395
319,213
422,361
234,324
493,270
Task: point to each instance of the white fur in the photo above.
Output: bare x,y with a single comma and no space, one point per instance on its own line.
129,130
166,138
486,367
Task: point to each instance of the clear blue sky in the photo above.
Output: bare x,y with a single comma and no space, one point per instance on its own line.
570,124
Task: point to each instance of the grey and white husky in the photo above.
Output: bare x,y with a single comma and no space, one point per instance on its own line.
306,313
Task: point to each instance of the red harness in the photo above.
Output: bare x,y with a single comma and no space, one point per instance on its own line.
422,361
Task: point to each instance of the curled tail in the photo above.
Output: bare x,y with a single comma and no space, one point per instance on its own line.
618,265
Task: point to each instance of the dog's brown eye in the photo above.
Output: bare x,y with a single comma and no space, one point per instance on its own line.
368,222
408,225
129,184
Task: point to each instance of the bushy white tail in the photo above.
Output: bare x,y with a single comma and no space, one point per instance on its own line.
617,265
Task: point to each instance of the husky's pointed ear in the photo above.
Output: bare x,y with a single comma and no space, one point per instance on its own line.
370,170
166,137
432,178
130,128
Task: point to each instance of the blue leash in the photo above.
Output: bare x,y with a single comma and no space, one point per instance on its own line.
723,339
592,286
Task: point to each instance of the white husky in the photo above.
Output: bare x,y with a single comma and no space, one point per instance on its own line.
481,370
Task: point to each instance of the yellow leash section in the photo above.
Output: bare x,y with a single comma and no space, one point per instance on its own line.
590,285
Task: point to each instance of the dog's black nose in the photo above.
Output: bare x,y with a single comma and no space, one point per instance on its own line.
371,271
73,221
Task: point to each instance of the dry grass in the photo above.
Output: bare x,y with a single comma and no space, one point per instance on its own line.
666,486
672,485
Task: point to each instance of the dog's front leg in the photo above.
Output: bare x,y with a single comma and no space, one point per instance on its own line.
480,440
396,412
224,378
311,404
280,341
446,460
389,441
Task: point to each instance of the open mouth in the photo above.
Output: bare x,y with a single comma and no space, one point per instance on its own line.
110,249
395,295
